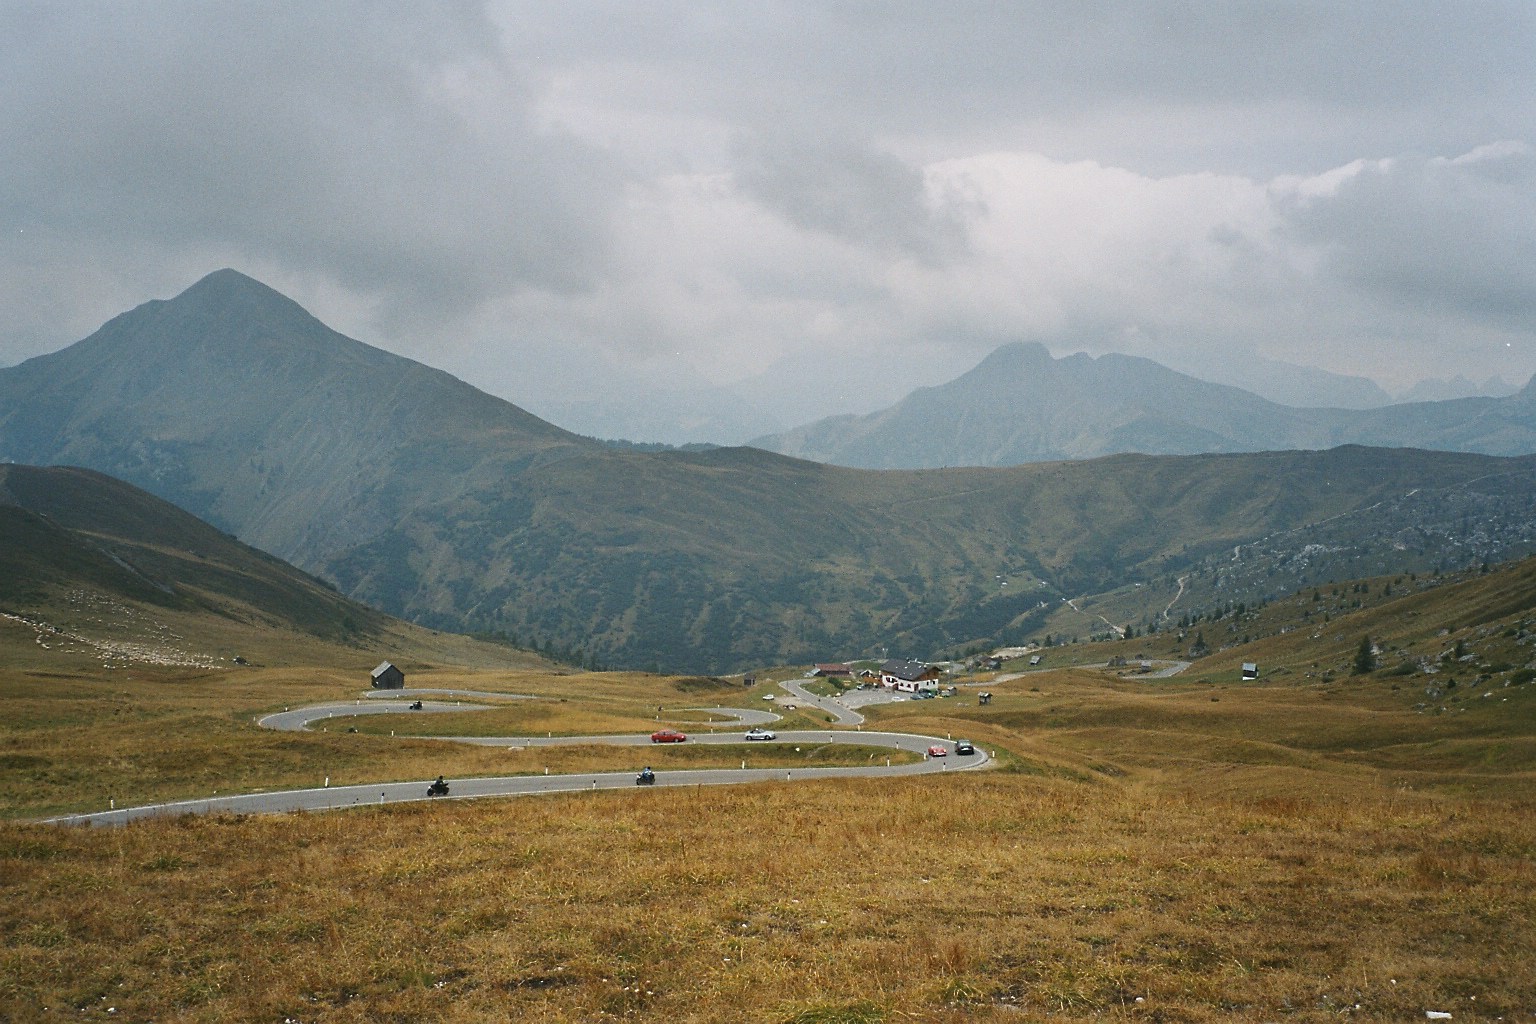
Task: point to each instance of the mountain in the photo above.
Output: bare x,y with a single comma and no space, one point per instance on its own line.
1297,386
1021,405
419,495
239,406
1437,390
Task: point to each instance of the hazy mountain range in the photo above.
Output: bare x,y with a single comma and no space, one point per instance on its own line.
1307,387
1021,405
416,493
1288,384
785,397
1438,390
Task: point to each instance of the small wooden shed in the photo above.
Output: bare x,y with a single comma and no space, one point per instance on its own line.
387,677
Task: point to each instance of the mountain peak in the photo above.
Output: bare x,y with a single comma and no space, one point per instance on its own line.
226,277
1015,355
225,292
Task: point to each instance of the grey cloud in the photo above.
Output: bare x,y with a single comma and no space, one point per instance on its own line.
1449,235
535,193
851,191
325,138
1159,86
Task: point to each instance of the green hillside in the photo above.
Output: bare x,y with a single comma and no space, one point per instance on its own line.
1456,636
96,570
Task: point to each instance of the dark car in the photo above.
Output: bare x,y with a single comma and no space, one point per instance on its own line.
667,736
965,747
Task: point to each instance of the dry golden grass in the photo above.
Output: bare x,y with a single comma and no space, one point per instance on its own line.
72,741
1261,853
985,897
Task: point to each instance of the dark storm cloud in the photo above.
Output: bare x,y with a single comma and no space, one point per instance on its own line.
329,139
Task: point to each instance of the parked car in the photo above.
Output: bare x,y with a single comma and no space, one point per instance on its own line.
937,751
755,733
965,747
667,736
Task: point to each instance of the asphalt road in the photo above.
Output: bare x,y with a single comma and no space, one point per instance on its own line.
328,798
841,713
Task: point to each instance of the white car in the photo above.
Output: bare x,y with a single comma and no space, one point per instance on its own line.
761,734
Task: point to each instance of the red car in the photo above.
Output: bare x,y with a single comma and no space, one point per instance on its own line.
937,751
667,736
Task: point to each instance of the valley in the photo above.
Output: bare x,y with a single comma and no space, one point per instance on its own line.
411,492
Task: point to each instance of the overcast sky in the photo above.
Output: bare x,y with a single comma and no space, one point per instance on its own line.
838,201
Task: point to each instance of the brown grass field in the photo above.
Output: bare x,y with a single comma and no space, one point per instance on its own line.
1302,849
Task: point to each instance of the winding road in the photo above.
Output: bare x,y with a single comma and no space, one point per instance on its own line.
398,702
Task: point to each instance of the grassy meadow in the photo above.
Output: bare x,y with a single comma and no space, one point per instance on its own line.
1312,847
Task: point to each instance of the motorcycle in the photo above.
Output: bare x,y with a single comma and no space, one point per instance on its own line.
416,705
645,779
438,788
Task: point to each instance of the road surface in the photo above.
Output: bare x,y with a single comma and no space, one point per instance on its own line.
328,798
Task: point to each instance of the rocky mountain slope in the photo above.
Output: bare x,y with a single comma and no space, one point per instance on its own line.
233,402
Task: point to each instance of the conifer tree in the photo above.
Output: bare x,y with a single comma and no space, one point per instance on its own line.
1365,657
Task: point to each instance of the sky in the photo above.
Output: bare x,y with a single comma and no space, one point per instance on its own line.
696,220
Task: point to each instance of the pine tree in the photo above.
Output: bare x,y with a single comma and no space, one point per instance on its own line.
1365,657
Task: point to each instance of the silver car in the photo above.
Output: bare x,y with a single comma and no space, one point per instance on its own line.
761,734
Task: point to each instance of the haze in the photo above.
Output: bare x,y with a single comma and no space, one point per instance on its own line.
705,221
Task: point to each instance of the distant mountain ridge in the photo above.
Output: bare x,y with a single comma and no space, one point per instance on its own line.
1301,387
419,495
1022,405
1458,387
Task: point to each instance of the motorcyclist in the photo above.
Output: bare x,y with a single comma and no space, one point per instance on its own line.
440,786
648,775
